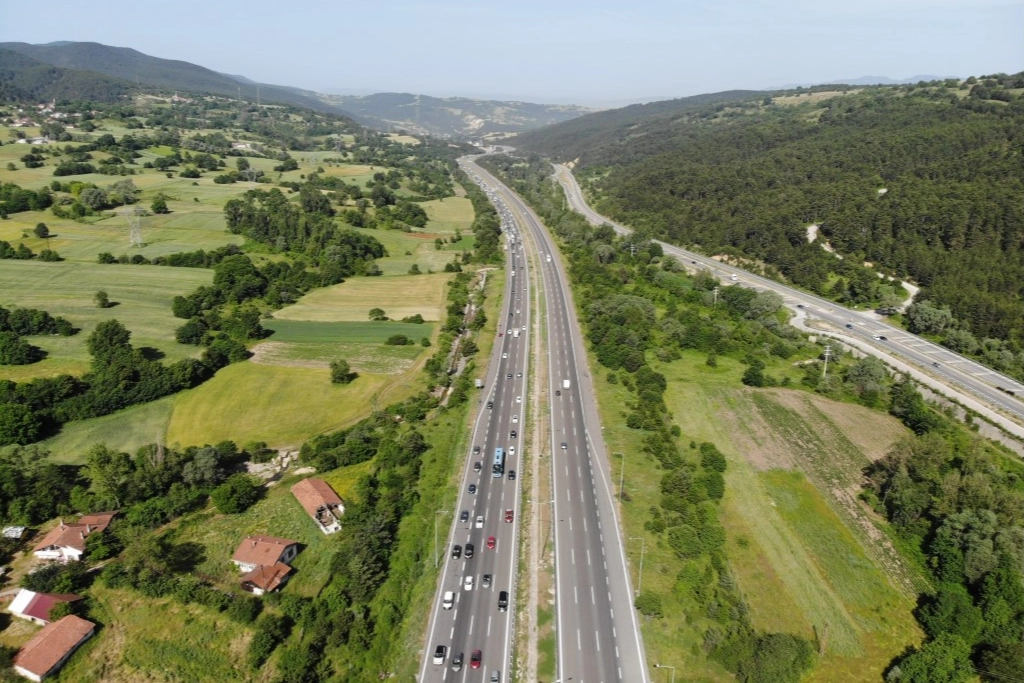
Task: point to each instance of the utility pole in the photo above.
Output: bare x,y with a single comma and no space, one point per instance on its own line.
622,473
826,363
640,571
715,297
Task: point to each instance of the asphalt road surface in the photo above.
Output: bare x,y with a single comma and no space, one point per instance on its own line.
965,376
598,639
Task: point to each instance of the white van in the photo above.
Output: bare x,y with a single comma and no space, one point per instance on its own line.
448,600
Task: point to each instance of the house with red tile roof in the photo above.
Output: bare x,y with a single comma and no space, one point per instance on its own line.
321,503
66,542
46,653
35,607
264,562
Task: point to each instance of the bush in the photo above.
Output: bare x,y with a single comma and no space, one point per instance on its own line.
244,609
341,373
237,494
650,605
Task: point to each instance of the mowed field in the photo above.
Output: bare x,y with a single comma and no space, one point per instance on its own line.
142,297
399,297
806,554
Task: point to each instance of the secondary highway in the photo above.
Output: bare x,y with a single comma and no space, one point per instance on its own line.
974,384
598,639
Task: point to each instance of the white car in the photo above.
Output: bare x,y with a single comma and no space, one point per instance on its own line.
505,355
516,418
468,583
479,523
448,600
519,399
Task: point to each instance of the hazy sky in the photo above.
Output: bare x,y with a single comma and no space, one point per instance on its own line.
569,51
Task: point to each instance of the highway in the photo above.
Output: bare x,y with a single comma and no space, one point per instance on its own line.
975,385
598,639
475,620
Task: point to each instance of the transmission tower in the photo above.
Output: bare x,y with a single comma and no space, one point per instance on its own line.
134,216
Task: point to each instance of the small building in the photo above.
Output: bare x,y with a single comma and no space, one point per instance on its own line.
14,532
321,503
266,579
35,607
265,551
46,653
66,542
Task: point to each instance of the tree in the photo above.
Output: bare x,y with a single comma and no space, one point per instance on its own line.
41,231
951,611
159,204
925,318
109,472
236,494
942,660
16,351
18,424
107,342
101,299
868,375
377,314
341,373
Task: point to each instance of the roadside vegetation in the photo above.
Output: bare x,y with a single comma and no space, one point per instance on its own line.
744,175
745,463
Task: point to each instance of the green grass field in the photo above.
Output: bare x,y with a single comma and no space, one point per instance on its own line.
142,294
126,430
399,297
806,556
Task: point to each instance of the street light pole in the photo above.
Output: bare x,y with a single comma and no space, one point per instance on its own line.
622,474
640,571
664,666
436,513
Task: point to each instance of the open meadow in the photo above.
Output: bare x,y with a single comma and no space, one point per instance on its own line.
805,553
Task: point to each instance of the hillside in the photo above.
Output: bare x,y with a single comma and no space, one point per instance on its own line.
134,67
24,78
923,181
451,117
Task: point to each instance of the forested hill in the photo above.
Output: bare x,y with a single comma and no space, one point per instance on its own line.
924,181
23,78
168,74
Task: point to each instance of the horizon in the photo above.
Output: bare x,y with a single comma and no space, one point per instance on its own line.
649,51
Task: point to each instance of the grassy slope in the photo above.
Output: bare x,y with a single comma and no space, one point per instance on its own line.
806,556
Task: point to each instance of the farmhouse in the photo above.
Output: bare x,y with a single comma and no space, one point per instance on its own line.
321,503
264,559
66,542
35,607
51,647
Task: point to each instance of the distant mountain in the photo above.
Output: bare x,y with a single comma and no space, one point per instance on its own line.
868,80
169,74
590,133
24,78
451,117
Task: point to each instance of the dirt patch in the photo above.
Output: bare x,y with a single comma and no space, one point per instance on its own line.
873,433
753,436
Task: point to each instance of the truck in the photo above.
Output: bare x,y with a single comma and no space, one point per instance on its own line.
479,383
565,384
516,334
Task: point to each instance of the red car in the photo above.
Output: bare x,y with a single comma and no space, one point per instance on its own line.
508,515
491,542
475,660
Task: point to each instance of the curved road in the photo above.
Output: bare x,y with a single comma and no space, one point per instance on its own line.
974,385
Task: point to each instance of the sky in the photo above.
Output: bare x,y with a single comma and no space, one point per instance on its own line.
592,52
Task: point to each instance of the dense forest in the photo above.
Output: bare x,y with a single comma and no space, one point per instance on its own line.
922,181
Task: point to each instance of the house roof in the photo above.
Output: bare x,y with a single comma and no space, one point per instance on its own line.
38,605
73,535
267,578
314,493
265,550
52,644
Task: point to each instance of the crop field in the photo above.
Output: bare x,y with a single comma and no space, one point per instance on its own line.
143,305
806,554
399,297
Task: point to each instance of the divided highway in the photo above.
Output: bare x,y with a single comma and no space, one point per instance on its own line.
470,636
598,639
975,383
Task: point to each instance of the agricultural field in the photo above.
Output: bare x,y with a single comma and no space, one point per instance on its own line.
399,297
806,554
142,297
126,430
